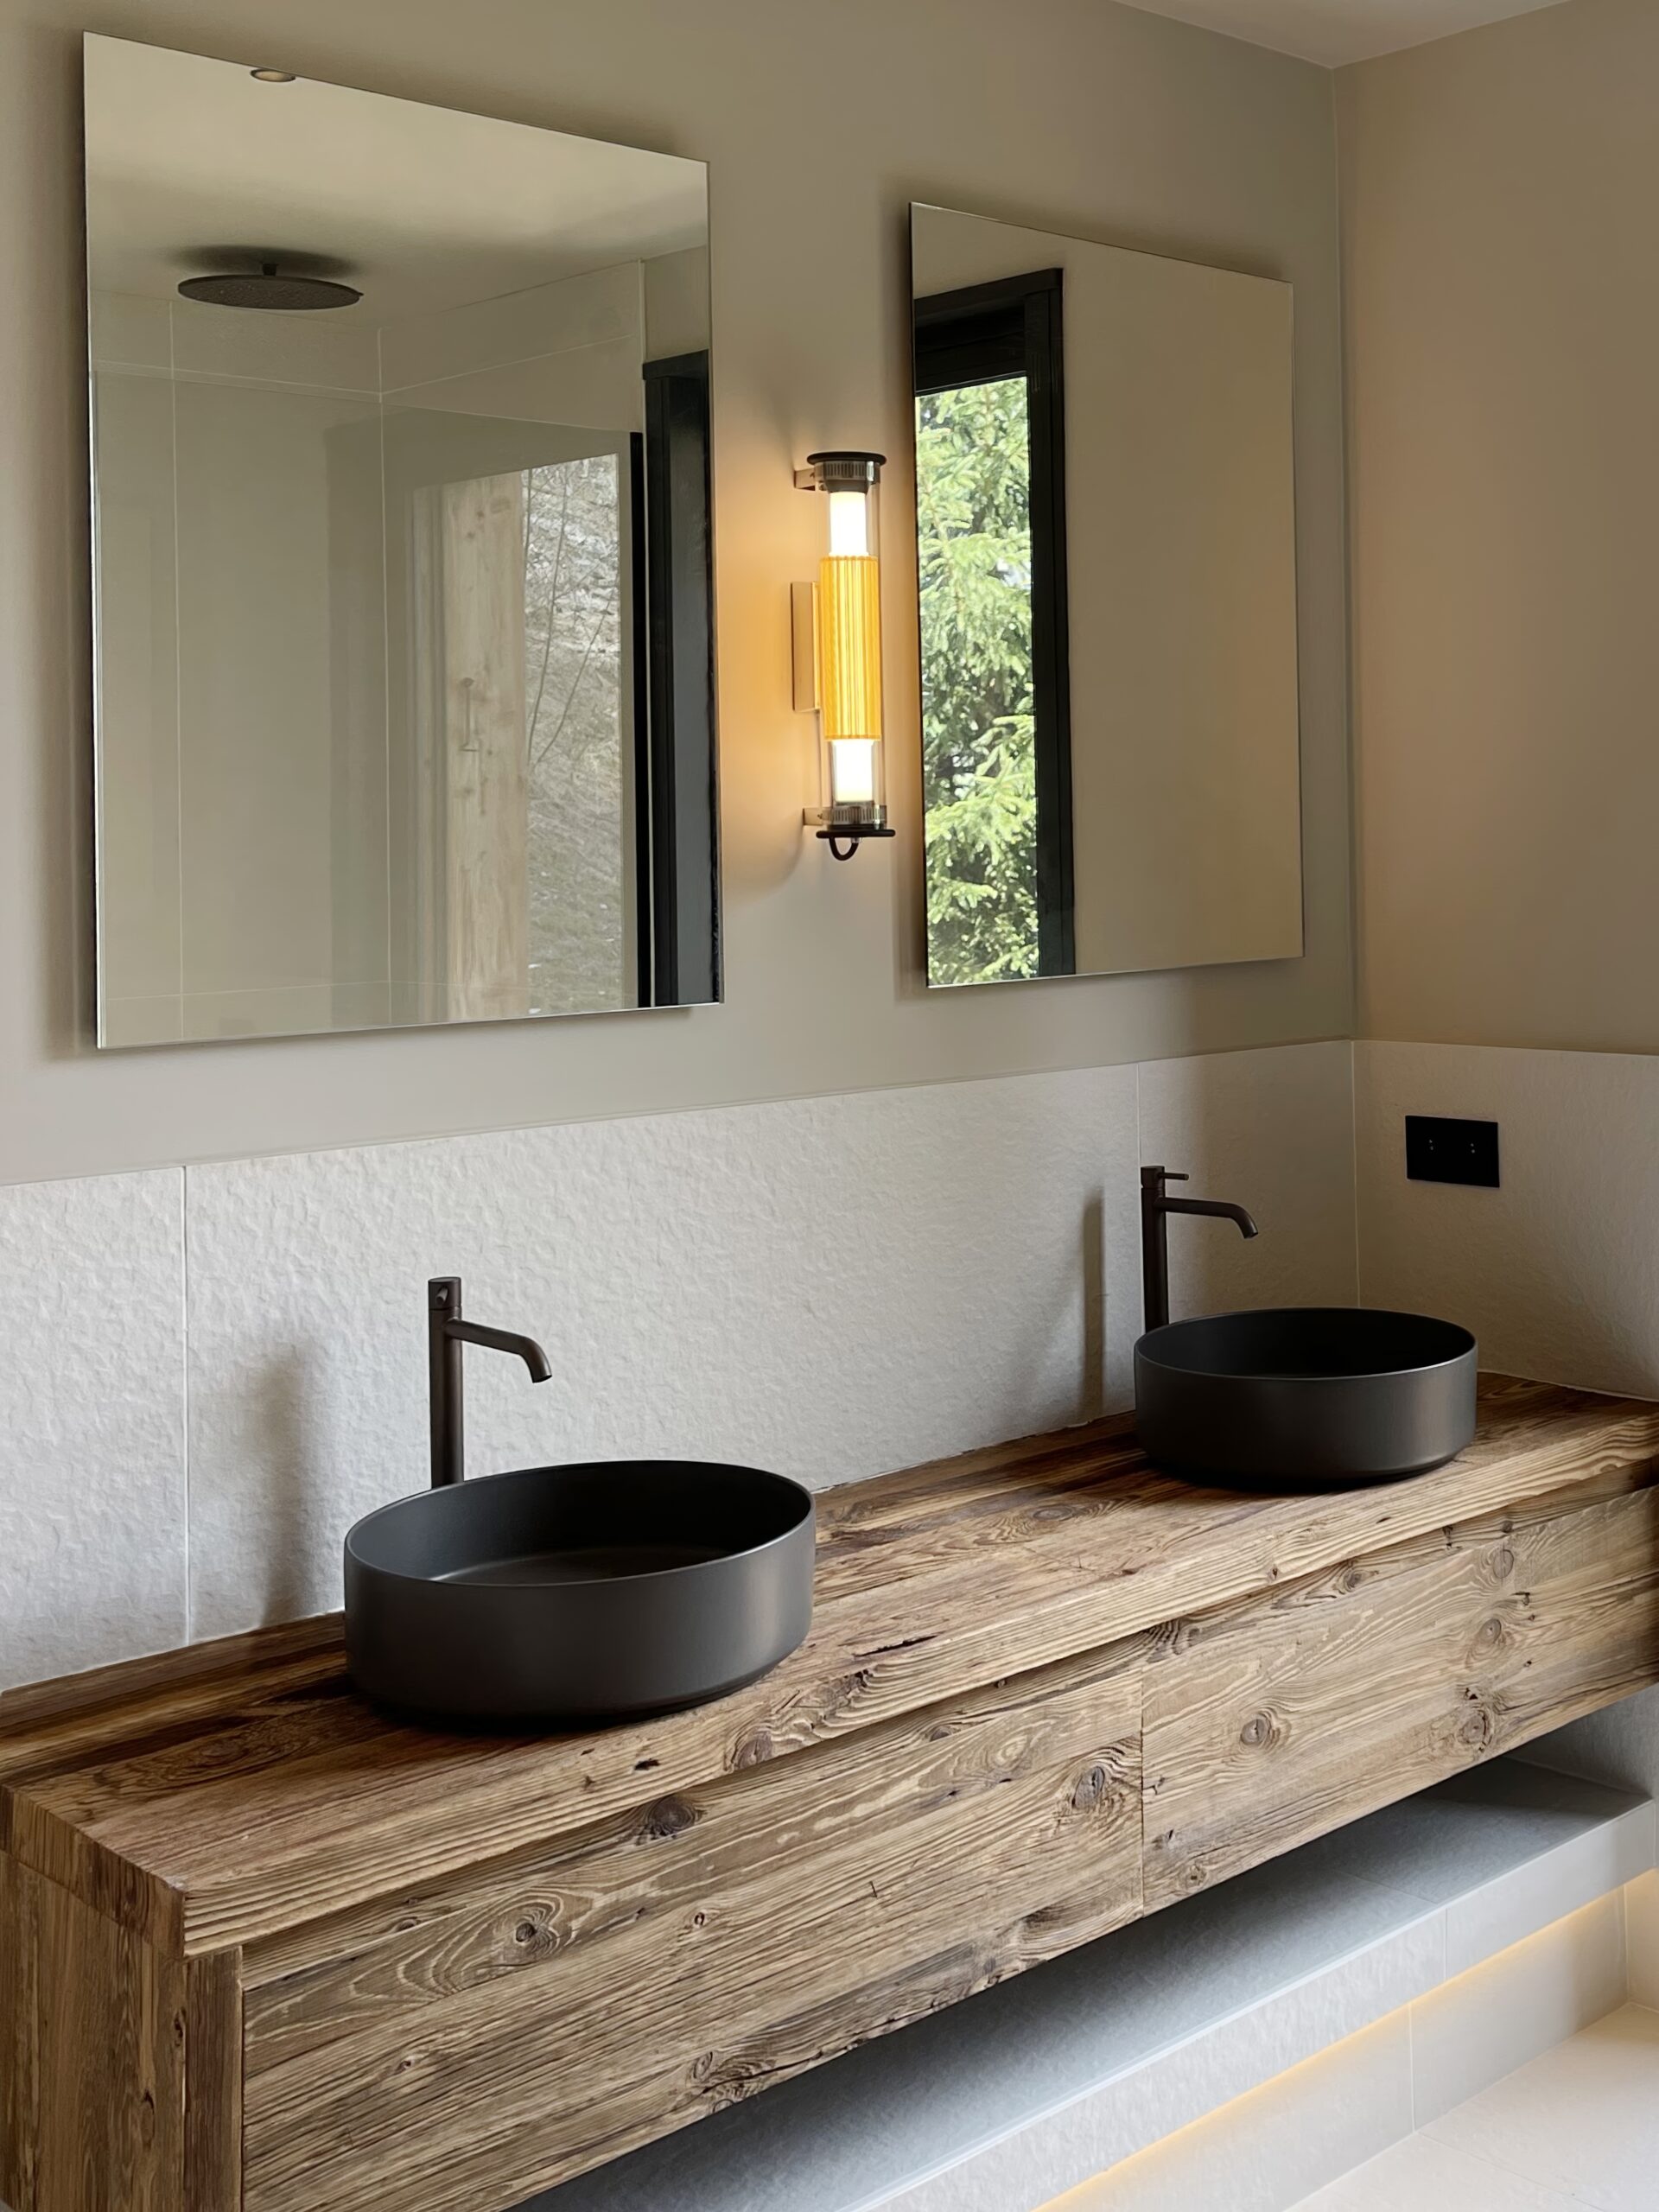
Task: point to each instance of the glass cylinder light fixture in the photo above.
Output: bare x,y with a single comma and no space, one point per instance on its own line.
838,660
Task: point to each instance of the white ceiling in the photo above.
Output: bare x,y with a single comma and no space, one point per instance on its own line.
192,166
1336,31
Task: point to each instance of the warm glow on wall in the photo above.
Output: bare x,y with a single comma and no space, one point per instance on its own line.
840,671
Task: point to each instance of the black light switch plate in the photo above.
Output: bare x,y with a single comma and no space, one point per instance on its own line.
1442,1151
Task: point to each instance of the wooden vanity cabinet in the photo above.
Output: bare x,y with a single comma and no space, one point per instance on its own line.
264,1949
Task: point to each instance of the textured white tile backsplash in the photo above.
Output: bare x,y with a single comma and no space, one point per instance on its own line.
93,1529
830,1285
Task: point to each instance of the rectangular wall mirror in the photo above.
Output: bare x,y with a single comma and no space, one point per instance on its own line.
402,606
1106,541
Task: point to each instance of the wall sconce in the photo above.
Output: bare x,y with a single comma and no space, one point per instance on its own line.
838,653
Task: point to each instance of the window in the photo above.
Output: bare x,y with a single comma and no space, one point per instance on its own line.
996,770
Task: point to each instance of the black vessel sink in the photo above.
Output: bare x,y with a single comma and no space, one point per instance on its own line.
1306,1398
586,1592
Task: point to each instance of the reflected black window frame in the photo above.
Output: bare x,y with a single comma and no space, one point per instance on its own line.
678,826
985,334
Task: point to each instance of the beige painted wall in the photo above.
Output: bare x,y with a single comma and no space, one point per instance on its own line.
1063,113
1502,331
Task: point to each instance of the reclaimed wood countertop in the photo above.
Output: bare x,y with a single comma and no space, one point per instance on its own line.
218,1796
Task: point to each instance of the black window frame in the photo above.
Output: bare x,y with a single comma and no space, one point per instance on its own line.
677,809
982,333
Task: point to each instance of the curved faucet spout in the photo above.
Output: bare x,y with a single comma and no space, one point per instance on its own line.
525,1348
1218,1210
1156,1206
446,1332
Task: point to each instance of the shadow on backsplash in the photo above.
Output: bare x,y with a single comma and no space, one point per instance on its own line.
294,1482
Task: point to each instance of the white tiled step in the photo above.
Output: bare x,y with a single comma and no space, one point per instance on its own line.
1001,2103
1579,2126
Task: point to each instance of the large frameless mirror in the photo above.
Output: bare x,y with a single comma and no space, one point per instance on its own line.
1106,541
402,606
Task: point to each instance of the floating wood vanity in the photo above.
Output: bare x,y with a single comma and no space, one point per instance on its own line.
263,1947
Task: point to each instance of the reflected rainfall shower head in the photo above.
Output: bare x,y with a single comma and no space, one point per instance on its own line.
263,288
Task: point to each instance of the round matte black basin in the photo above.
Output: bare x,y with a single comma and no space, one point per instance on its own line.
587,1592
1308,1398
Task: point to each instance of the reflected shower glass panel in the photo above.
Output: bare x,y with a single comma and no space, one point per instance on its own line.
403,616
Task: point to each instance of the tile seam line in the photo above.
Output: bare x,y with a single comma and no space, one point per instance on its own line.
184,1392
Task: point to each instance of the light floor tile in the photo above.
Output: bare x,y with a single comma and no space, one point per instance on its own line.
1421,2175
1483,2024
1582,2119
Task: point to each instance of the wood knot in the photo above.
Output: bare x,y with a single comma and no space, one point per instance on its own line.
667,1818
1477,1728
527,1931
1492,1632
147,2119
1256,1730
1502,1563
1090,1789
752,1750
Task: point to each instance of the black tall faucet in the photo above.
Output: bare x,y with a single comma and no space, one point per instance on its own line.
446,1332
1156,1206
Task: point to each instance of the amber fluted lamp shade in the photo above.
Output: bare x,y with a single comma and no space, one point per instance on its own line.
850,645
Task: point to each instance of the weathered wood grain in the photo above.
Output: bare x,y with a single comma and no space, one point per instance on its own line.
994,1817
264,1948
91,2105
932,1582
212,2087
20,2007
1281,1717
738,2064
521,1917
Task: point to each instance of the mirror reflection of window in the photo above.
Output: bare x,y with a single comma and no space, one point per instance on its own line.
979,774
1106,555
578,808
996,771
529,833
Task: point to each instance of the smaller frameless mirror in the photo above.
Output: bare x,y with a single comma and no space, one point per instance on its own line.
403,608
1106,550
